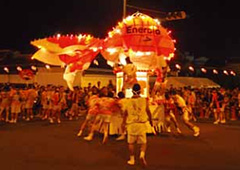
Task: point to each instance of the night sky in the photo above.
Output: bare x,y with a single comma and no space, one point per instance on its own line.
211,29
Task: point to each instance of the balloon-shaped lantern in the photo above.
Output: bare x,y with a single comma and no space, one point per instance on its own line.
143,39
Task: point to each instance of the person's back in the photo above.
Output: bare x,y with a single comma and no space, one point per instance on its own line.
136,116
137,110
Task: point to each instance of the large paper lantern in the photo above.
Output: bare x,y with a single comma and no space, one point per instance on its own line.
76,52
140,37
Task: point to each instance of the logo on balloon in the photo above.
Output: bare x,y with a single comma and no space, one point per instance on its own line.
142,30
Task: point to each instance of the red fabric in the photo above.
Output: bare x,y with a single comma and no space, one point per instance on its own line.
135,35
78,60
26,74
159,74
55,98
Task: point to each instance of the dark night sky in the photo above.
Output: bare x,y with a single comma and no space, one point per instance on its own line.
211,30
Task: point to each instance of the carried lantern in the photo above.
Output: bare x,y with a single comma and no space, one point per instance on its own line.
145,41
74,52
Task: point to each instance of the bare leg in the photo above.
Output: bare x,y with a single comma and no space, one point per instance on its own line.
131,152
83,125
7,115
105,132
142,154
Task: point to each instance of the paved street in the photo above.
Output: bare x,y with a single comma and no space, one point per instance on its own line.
38,145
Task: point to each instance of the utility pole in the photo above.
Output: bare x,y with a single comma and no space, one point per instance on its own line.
124,8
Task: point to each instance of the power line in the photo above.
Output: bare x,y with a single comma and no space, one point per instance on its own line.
146,9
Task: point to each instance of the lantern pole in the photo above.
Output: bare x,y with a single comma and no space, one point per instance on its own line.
124,8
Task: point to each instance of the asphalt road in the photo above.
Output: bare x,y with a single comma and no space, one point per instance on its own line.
39,145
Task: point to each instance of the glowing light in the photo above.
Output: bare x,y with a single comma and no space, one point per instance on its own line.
129,18
110,63
191,68
6,69
118,31
34,68
122,59
111,50
153,27
203,70
233,73
94,49
171,55
139,53
225,72
80,36
215,71
32,58
47,67
178,66
169,32
58,36
19,68
174,41
157,21
96,62
148,53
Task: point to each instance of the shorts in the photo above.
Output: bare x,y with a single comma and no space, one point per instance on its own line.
90,117
56,107
16,109
4,108
74,107
185,114
29,105
137,133
45,106
139,139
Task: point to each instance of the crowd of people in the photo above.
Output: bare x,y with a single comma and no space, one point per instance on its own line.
53,102
101,105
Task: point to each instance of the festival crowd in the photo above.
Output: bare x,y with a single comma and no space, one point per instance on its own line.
101,106
55,102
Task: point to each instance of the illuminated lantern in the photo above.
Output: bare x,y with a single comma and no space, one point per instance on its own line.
77,52
144,40
26,74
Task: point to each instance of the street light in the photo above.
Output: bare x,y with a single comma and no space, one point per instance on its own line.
203,70
191,68
19,68
233,73
34,68
6,69
225,72
47,67
178,66
215,71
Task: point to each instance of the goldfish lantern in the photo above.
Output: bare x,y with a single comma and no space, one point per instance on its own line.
76,52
